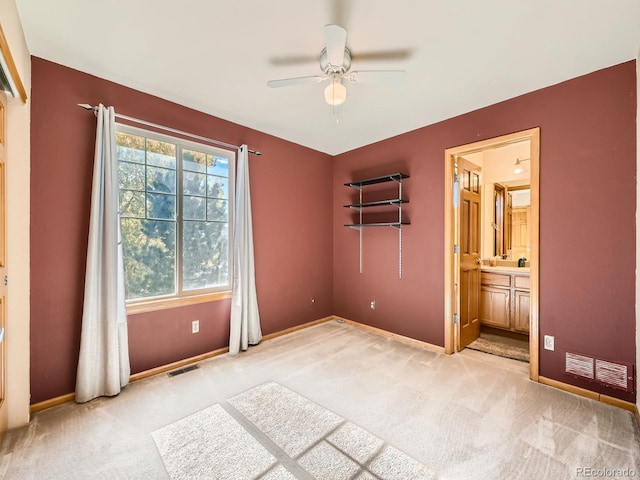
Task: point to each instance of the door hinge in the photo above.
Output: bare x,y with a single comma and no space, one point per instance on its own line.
456,319
456,249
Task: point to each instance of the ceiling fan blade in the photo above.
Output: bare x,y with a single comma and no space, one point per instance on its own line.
401,54
339,12
335,38
293,59
391,77
287,82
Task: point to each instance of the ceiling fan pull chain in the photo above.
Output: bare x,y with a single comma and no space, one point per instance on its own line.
336,112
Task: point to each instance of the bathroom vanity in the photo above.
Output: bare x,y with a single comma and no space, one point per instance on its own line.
504,298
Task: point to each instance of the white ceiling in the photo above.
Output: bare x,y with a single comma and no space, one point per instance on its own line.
217,55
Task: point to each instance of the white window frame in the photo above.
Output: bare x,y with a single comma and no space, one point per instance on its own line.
181,297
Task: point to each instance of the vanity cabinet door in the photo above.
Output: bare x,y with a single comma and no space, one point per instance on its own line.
494,306
521,313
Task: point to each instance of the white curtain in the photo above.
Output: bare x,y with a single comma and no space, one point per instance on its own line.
103,366
245,318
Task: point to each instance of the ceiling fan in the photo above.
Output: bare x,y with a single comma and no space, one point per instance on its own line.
335,62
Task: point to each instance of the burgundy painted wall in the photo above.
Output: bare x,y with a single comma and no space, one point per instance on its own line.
587,221
291,194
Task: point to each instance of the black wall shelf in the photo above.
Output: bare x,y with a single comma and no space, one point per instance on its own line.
371,181
395,202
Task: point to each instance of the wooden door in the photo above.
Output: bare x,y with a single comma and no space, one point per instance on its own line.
469,253
3,267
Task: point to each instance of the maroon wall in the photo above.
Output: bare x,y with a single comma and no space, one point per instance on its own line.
291,194
587,220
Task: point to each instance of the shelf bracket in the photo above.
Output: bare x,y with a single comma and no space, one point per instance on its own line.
399,228
360,229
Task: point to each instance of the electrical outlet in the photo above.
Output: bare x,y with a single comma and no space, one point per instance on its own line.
373,305
549,342
195,326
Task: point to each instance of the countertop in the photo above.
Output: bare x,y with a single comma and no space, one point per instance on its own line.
502,269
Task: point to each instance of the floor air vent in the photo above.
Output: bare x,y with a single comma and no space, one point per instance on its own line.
612,374
180,371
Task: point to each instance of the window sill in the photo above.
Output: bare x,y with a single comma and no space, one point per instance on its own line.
174,302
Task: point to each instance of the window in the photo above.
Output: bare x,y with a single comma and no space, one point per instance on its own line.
175,204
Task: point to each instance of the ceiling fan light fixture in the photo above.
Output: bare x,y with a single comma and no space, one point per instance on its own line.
335,93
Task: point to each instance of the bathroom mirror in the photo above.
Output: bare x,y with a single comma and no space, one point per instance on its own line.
508,219
517,222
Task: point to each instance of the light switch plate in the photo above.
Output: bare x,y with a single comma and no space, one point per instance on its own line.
549,342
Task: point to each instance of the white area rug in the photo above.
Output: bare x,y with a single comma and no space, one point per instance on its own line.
272,433
211,444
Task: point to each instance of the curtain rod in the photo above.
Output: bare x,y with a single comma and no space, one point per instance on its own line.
86,106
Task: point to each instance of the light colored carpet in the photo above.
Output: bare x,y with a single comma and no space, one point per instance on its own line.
308,442
501,346
468,416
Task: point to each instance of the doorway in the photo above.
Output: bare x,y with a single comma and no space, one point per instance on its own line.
453,281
